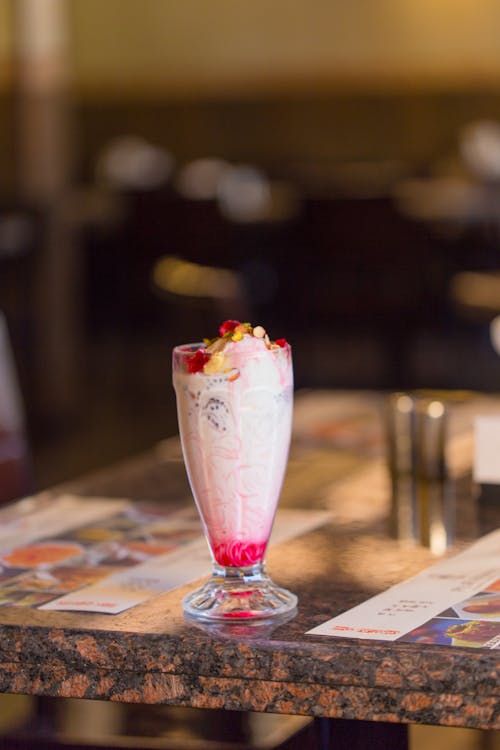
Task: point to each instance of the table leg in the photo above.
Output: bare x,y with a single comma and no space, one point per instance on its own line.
345,734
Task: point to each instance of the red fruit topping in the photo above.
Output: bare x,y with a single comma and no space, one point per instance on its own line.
281,342
228,325
197,362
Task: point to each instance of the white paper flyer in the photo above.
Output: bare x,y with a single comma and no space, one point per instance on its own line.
453,603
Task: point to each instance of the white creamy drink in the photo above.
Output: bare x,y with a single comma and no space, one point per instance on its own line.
234,402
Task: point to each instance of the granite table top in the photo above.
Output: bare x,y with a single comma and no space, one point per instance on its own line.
151,654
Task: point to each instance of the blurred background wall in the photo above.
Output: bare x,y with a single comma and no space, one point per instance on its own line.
163,52
314,73
330,169
201,48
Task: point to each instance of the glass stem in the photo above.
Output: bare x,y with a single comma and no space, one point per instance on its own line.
248,573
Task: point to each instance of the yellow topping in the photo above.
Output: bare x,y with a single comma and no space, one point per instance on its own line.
215,364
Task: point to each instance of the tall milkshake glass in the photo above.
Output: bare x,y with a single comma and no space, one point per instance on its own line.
235,412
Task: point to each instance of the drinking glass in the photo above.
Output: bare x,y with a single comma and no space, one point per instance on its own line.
235,428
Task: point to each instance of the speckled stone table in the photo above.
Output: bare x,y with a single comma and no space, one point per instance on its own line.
151,654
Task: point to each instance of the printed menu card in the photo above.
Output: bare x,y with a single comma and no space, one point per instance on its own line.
82,554
453,603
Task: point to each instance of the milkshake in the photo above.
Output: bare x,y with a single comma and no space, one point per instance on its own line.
234,403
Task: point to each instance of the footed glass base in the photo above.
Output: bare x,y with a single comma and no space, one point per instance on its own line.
235,594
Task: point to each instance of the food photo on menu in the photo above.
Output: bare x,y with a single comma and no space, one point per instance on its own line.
474,622
453,603
36,573
448,632
483,606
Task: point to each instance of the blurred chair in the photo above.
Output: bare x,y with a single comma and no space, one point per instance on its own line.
15,465
373,278
200,179
245,195
479,145
130,162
